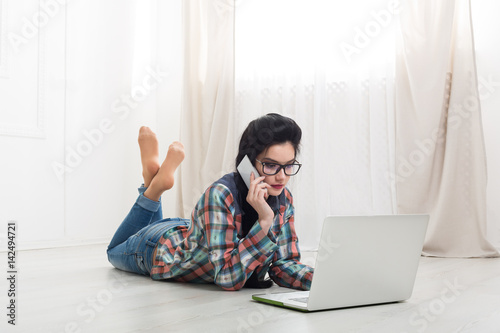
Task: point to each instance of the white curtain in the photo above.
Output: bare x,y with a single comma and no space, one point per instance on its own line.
207,117
339,90
441,166
332,68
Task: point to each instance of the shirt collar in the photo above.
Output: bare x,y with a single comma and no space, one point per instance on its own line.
275,202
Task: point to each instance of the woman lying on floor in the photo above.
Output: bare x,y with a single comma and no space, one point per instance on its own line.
235,235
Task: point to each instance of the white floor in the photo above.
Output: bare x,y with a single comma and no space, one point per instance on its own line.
75,289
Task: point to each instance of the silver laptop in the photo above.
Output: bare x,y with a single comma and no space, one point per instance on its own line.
361,260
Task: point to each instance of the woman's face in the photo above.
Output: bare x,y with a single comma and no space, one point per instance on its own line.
280,154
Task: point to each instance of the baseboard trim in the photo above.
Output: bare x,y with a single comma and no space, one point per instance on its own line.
50,244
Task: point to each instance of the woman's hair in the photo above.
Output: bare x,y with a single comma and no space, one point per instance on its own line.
266,131
259,135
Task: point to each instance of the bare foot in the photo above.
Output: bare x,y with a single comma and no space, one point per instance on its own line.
148,144
164,179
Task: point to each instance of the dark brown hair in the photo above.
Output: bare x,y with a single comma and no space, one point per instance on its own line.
266,131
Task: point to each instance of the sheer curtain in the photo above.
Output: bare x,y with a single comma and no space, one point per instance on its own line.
338,85
364,101
207,117
441,166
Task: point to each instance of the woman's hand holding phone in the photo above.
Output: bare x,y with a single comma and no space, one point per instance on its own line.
257,196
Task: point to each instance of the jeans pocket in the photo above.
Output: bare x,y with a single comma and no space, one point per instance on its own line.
139,259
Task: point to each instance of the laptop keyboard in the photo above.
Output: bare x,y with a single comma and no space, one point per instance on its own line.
301,299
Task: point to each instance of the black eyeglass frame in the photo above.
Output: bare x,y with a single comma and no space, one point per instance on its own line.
281,166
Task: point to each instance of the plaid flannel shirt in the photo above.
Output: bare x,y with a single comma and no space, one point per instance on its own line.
210,250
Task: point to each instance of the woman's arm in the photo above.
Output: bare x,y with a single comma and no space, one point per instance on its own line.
233,259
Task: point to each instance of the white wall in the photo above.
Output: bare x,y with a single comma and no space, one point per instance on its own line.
72,165
31,123
487,42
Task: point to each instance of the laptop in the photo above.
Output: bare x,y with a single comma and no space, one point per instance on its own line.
361,260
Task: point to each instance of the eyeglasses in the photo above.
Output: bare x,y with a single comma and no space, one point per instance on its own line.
271,169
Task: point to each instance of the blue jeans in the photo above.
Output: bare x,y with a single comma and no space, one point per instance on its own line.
132,247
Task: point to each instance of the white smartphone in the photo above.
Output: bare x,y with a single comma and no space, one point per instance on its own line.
245,168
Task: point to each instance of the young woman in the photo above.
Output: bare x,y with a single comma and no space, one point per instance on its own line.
235,235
